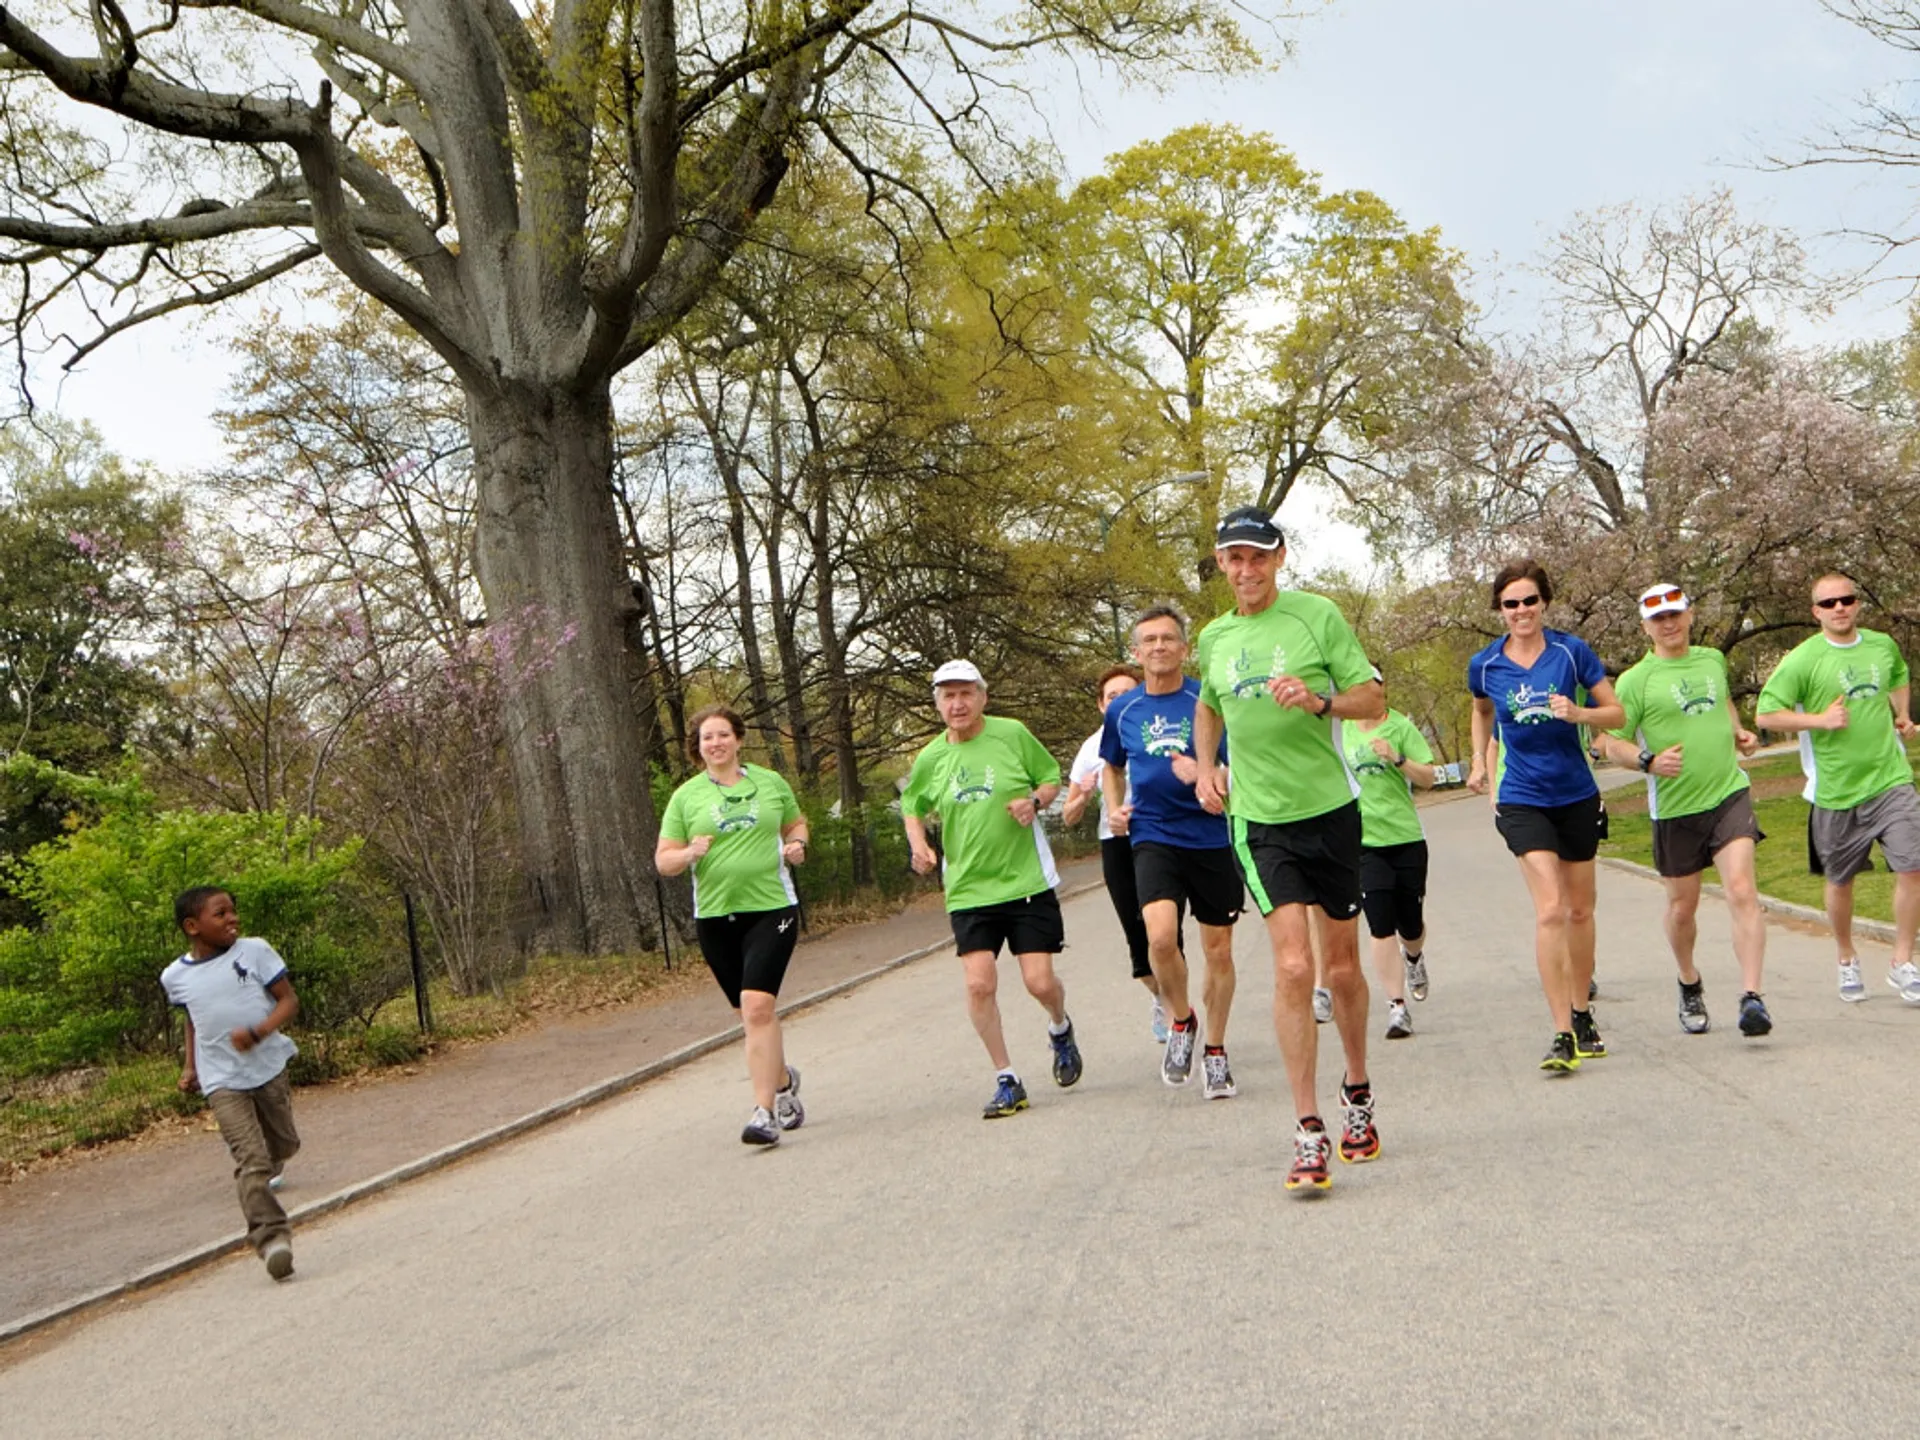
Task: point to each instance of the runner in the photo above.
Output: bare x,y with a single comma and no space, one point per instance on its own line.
1084,779
739,827
987,779
1681,729
1390,756
1181,851
1845,693
1274,673
1545,802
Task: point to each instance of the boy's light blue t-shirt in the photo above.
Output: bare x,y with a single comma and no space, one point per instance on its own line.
221,994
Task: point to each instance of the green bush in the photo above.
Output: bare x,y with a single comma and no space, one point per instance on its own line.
83,984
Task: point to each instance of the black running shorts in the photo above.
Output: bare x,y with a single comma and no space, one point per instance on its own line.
1208,880
1573,832
1393,889
1026,927
750,950
1315,861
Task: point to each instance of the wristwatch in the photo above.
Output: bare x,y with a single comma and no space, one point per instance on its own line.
1399,762
1646,760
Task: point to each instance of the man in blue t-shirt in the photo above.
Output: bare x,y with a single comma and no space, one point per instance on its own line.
1182,851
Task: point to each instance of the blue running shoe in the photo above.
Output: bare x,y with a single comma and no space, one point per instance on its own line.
1754,1020
1009,1095
1066,1057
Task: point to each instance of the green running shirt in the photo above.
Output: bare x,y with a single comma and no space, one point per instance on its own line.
1683,702
742,870
1844,768
988,857
1286,763
1387,813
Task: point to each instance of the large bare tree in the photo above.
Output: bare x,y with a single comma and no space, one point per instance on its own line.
541,193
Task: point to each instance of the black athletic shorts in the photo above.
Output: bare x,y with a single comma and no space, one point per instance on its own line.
1315,861
1573,832
1116,867
1686,844
1026,927
1393,889
750,950
1208,880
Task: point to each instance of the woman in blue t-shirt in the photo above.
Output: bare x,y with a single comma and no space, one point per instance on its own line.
1526,691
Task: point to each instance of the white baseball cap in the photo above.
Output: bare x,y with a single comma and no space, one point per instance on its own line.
1663,600
958,672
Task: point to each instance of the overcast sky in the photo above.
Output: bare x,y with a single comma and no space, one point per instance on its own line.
1496,120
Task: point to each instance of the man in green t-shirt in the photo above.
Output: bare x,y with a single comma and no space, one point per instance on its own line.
1276,672
987,779
1844,693
1682,731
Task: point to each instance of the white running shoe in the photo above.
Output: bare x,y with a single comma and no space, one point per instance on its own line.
1906,979
1176,1064
1399,1021
761,1129
787,1109
1219,1079
1416,974
1852,988
1322,1005
1159,1021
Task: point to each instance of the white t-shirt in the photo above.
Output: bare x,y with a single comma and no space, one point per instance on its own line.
221,994
1086,770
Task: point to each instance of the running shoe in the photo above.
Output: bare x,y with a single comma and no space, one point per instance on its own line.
1066,1056
762,1128
1852,988
1309,1173
1176,1066
279,1257
1322,1005
1009,1095
1906,979
1159,1021
1219,1079
1593,991
1587,1043
787,1108
1416,974
1693,1007
1560,1058
1359,1140
1754,1019
1399,1022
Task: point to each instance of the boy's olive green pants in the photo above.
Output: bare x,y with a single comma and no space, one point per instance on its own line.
258,1128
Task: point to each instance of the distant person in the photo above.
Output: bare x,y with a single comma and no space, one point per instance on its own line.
1084,782
1391,758
1546,802
987,780
1682,732
237,997
1276,674
1844,692
1182,855
739,828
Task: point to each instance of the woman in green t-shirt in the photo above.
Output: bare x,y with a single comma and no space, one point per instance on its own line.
738,827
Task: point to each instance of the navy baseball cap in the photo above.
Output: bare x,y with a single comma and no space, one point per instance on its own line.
1249,525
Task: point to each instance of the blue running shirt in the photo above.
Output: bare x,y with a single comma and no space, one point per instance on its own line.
1542,761
1141,735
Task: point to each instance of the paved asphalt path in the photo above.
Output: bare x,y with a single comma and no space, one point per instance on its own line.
1698,1235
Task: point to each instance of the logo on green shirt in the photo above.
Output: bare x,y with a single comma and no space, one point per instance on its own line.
1528,705
1695,697
1163,735
1856,686
734,813
966,791
1242,681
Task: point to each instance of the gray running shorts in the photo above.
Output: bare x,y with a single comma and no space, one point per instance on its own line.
1842,839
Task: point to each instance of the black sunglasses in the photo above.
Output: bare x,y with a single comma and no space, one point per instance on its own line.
1524,602
1833,600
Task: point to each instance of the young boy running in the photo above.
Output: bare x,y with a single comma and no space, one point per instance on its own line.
1844,692
237,997
1182,855
987,779
1681,729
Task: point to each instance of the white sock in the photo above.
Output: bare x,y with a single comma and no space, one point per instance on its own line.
1058,1030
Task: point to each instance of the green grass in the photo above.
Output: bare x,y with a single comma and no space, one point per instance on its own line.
1781,860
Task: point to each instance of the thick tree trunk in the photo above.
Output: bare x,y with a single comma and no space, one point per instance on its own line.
559,607
786,642
833,660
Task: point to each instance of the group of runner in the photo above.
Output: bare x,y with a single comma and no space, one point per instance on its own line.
1280,773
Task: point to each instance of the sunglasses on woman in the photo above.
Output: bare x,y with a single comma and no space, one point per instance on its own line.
1521,602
